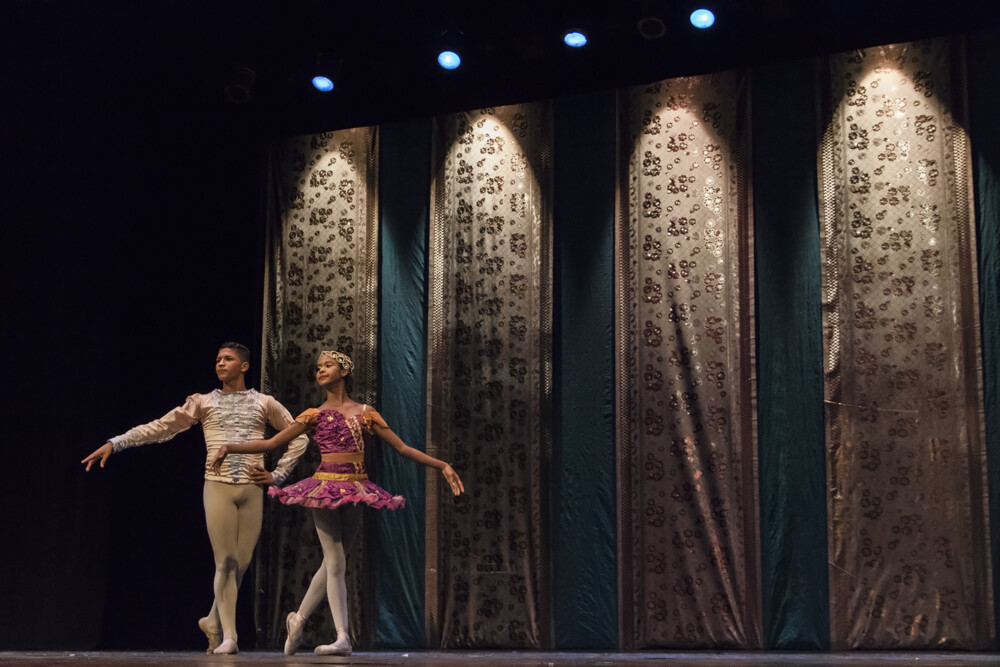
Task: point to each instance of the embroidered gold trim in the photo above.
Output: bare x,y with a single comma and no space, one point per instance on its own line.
357,433
344,457
339,477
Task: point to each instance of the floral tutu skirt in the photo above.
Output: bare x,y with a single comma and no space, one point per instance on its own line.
331,494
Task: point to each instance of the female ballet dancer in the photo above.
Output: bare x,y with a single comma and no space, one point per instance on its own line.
336,488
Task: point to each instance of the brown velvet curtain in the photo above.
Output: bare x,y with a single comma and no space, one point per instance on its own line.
688,554
908,543
320,293
490,379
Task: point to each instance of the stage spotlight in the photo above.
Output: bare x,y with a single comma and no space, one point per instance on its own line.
322,84
702,18
449,44
575,39
449,60
325,70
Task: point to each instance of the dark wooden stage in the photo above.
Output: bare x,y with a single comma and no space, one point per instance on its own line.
512,658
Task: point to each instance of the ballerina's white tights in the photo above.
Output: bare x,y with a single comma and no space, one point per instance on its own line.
337,530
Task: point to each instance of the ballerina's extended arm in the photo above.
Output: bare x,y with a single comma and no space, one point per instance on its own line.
449,473
282,437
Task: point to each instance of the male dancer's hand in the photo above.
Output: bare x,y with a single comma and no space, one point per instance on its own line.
260,476
102,453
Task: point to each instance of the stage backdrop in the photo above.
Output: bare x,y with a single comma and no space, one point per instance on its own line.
489,385
321,289
906,461
478,367
687,470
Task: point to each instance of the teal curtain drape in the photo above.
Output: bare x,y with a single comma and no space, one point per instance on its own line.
789,358
584,544
399,536
983,72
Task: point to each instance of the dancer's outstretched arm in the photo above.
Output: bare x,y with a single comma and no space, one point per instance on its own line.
449,473
282,437
166,427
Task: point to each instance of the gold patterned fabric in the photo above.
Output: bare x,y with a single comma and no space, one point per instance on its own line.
489,379
320,293
908,540
688,552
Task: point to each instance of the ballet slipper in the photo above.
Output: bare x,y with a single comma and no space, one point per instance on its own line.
212,634
294,624
340,647
227,647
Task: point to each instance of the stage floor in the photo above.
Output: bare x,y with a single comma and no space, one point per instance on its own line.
502,658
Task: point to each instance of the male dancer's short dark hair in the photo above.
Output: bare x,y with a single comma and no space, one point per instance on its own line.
241,350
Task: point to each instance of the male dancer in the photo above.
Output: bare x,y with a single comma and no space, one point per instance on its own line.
233,499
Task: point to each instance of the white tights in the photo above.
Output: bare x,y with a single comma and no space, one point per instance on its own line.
336,530
233,517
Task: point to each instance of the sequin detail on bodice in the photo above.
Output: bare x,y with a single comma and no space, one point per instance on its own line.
336,433
237,413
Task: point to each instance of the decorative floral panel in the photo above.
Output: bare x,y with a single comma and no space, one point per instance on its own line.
908,539
490,379
687,473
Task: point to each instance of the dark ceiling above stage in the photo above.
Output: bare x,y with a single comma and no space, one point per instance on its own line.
172,59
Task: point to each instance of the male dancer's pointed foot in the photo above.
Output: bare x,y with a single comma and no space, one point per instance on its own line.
212,634
294,624
340,647
227,647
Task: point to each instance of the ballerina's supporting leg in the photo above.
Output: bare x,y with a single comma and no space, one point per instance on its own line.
349,521
337,530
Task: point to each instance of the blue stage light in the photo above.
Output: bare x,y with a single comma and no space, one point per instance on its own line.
322,84
702,18
575,39
449,59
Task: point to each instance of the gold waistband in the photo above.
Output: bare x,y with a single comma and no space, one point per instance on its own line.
339,477
344,457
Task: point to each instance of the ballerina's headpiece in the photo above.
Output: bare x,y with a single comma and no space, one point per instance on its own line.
342,359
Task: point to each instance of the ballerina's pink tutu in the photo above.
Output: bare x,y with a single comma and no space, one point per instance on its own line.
340,477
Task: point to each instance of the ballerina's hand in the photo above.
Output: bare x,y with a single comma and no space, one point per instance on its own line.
453,479
258,475
220,456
